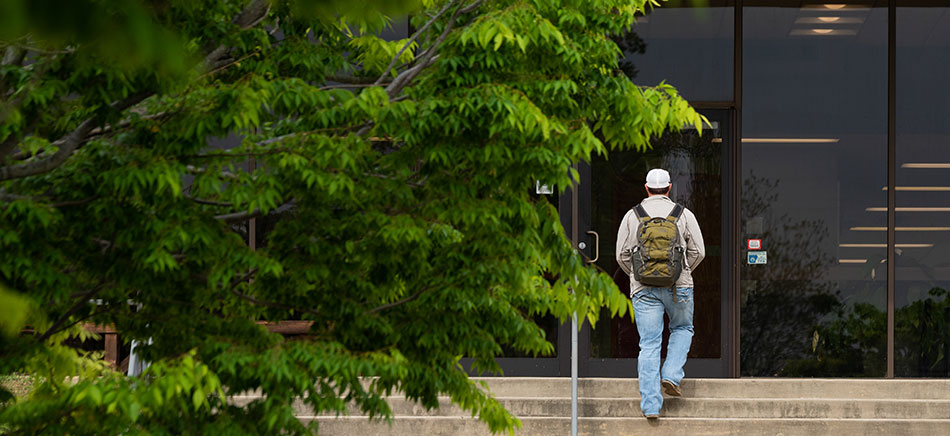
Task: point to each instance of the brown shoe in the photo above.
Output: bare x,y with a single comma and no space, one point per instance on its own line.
671,389
652,416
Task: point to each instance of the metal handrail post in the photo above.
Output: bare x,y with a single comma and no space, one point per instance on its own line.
574,374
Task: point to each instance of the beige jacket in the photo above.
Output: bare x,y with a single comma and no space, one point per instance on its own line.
691,239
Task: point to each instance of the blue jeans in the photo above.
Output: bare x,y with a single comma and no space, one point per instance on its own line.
648,307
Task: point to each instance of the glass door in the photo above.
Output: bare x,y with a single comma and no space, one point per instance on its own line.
699,166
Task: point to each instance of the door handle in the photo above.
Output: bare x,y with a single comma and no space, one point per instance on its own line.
596,246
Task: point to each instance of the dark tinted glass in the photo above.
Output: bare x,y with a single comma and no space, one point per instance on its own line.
814,156
922,313
686,44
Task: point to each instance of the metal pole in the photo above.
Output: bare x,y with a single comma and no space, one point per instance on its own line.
574,374
891,179
574,239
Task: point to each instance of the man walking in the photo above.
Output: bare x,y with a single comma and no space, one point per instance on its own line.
659,244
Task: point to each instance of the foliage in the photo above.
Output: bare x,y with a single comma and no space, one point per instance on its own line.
922,341
133,154
781,305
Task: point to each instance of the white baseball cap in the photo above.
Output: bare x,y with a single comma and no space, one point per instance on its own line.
658,178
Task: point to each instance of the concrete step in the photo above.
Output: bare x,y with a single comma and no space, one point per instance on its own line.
803,408
808,407
546,387
547,426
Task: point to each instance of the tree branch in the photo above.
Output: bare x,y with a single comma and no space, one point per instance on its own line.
353,80
67,144
14,197
225,63
94,313
236,217
472,6
212,60
293,135
354,85
404,79
58,325
98,131
253,14
13,55
264,303
209,202
411,74
415,36
79,202
400,302
198,171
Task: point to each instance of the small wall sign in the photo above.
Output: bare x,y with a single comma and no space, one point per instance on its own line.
543,189
755,244
757,258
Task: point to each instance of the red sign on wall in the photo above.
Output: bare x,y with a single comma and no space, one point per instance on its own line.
755,244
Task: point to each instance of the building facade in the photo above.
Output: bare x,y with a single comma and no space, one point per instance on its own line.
822,186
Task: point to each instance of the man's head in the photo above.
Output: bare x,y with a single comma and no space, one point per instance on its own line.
658,182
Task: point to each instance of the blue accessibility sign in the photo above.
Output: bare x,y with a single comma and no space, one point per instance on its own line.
757,258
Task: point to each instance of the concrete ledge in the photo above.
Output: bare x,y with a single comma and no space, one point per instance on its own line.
458,426
804,408
728,388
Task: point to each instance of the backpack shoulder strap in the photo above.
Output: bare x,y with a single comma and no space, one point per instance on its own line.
641,213
676,212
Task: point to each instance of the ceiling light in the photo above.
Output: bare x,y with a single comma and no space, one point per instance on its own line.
910,209
829,20
842,7
790,140
852,261
823,32
885,245
920,188
784,140
926,165
902,229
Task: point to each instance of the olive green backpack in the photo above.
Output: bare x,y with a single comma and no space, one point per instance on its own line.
658,256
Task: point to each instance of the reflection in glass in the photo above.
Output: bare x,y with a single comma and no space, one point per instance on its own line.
688,46
922,312
814,155
695,166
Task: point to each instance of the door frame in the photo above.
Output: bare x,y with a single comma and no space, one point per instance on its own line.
575,208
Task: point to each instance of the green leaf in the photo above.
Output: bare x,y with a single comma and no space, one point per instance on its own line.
94,394
198,398
14,311
134,410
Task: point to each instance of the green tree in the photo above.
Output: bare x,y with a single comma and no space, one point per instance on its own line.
401,172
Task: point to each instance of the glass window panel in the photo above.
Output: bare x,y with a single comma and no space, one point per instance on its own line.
922,336
814,159
687,45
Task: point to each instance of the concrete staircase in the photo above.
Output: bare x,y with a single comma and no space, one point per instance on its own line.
840,407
